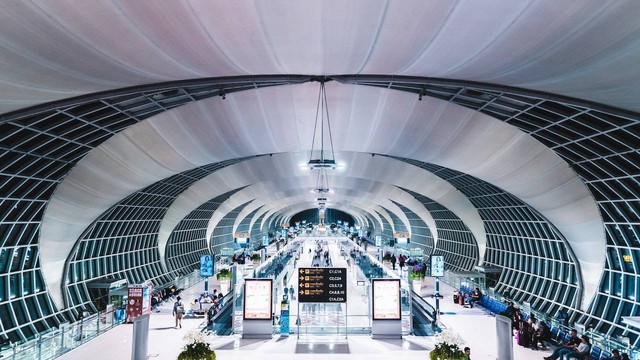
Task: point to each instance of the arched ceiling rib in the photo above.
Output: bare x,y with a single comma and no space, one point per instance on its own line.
431,130
263,201
281,195
96,46
354,212
283,168
376,194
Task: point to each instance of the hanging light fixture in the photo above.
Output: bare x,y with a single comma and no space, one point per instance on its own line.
323,159
322,183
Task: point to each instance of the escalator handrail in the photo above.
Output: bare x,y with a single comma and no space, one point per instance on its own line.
224,307
423,306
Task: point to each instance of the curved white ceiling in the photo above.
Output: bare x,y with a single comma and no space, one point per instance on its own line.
364,119
290,191
53,50
361,172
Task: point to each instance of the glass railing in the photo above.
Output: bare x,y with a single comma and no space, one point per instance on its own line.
67,337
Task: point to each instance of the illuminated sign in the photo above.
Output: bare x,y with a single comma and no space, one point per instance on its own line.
437,266
378,240
257,299
386,299
627,258
322,285
402,235
227,252
241,235
206,265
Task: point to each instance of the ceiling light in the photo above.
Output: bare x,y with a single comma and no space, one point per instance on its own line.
322,159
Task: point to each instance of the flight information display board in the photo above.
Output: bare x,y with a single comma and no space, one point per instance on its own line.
322,285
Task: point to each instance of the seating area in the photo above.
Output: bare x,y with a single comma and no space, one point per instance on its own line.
558,335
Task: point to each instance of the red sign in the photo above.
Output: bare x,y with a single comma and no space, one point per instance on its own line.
134,302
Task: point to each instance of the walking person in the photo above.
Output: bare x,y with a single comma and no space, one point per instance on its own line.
467,353
178,311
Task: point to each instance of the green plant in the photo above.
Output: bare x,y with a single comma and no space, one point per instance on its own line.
387,256
255,256
446,351
197,347
416,272
224,274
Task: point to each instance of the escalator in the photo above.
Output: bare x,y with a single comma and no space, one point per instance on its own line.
222,322
423,316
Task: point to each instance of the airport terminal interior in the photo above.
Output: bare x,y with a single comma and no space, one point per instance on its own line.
311,179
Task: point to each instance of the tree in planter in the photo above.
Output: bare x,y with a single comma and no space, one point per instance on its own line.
196,347
255,256
224,274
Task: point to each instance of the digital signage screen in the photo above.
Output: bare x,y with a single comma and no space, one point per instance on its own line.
206,265
257,299
386,299
436,266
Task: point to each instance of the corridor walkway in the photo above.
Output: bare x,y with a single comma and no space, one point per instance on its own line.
475,325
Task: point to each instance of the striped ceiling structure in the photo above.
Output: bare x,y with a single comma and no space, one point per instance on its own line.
137,135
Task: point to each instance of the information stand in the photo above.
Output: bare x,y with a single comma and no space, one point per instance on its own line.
386,322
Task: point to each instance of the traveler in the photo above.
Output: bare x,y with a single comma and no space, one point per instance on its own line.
542,334
582,351
178,311
615,355
475,297
566,347
467,353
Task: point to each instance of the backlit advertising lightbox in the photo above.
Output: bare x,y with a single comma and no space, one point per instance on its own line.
386,299
257,299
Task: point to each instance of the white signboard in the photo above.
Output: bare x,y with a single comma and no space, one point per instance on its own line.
386,299
378,240
437,266
257,299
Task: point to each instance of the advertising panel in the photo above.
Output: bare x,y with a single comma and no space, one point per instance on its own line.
437,266
134,302
206,265
386,299
257,299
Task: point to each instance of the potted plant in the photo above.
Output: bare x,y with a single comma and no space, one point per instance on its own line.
416,274
448,347
255,257
224,279
387,256
196,347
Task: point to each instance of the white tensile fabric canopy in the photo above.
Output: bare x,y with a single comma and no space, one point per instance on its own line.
57,49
